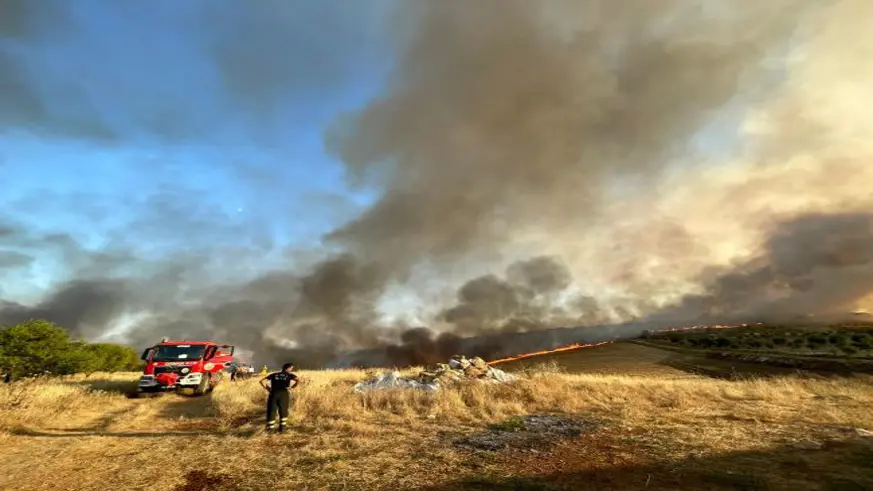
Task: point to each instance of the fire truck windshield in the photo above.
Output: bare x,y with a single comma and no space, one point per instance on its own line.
178,352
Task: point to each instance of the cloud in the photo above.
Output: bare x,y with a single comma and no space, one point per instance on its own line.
14,259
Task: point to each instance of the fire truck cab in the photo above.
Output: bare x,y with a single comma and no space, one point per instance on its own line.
197,365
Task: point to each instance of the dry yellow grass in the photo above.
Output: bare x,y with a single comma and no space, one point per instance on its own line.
72,400
86,433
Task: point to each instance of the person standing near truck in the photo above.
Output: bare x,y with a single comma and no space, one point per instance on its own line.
279,386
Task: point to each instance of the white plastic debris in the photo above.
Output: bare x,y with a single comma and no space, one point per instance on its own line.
392,380
458,369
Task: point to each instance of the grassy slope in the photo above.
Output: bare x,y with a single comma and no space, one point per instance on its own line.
613,359
659,426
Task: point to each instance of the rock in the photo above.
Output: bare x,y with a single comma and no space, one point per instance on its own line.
480,363
863,432
808,445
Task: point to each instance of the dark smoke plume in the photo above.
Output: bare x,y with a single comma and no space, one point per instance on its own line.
497,123
814,264
420,346
502,120
528,298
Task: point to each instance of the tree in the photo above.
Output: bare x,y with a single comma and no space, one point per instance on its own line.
113,357
39,346
33,347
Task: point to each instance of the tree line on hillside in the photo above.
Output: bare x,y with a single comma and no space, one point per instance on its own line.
842,342
37,346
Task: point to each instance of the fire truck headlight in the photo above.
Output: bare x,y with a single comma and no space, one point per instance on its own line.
193,378
186,370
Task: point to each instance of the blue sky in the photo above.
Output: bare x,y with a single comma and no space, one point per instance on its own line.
180,124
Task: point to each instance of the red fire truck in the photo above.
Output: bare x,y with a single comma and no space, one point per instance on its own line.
172,365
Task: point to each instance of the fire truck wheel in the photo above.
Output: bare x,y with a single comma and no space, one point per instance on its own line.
203,387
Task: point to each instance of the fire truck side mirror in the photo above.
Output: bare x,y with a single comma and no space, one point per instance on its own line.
145,354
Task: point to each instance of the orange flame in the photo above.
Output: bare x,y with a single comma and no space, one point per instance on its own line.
548,351
576,346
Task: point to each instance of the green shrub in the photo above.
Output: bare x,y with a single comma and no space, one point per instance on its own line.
818,339
838,340
722,342
39,346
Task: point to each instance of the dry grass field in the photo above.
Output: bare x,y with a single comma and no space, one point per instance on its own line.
644,360
651,427
611,359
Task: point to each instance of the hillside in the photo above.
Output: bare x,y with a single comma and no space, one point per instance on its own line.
840,340
662,359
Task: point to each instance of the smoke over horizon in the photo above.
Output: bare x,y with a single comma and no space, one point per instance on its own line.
564,163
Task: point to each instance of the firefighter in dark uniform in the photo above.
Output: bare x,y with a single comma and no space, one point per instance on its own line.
280,385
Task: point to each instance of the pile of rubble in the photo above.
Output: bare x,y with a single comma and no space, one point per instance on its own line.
458,369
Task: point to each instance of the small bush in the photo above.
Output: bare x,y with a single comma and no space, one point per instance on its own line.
849,350
818,339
